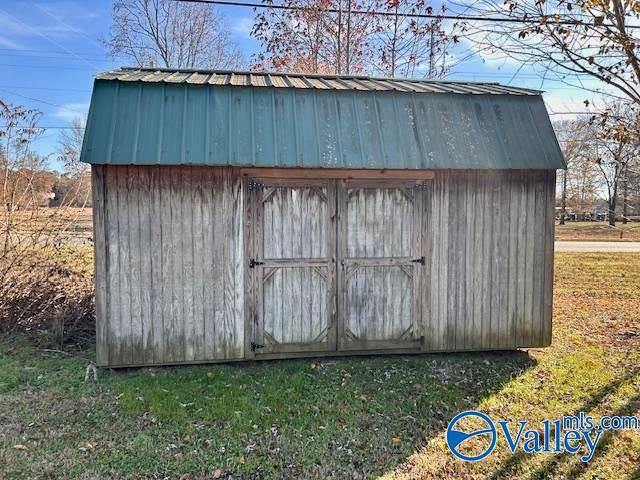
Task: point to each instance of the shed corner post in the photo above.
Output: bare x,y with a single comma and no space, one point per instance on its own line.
98,189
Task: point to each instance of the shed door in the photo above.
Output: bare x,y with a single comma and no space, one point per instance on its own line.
294,265
381,261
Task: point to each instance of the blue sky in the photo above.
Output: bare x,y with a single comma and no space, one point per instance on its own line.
50,51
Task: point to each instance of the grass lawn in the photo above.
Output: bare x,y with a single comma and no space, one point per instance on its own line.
340,418
598,231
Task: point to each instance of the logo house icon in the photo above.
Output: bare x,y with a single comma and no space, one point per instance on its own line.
461,434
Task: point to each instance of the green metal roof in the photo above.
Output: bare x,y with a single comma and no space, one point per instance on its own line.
170,117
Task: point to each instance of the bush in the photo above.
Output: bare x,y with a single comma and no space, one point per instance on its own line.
48,296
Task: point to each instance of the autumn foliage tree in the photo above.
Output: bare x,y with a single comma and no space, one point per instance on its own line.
381,37
307,37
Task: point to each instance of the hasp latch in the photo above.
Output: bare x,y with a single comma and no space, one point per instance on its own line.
254,263
419,260
255,346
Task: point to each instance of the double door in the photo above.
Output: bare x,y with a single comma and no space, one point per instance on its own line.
334,265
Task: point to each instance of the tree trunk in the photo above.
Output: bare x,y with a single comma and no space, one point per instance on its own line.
624,200
563,212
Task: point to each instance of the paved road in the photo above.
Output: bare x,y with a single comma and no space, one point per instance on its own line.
597,246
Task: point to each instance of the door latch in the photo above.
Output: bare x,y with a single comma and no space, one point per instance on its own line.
255,346
254,263
419,260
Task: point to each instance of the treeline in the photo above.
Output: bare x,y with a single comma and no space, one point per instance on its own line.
603,166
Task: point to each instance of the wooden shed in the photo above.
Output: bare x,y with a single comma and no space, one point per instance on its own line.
252,216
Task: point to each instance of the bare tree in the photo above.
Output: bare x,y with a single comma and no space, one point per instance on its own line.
404,46
70,146
171,34
568,134
570,39
581,183
617,147
31,284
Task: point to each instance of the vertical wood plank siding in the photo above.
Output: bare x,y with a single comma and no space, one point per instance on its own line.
491,270
172,287
169,264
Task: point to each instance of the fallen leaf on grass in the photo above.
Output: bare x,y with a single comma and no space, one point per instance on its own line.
88,446
396,440
217,473
19,446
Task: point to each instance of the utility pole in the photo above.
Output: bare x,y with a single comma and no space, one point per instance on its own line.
339,37
348,46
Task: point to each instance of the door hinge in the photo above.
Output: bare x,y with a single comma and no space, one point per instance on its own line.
255,346
419,260
254,263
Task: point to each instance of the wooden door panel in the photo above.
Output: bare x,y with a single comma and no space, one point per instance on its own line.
379,303
379,222
294,266
381,261
295,306
295,222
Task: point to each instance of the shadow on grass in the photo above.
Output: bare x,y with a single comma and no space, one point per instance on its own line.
331,418
551,467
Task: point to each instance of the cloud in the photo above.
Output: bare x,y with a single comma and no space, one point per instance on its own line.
8,43
69,111
243,27
14,26
567,105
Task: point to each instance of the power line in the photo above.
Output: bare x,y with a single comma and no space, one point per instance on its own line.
39,50
234,3
61,56
62,22
59,67
55,127
43,101
37,32
52,89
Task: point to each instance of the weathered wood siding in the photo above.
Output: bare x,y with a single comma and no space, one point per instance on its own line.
169,264
490,278
173,246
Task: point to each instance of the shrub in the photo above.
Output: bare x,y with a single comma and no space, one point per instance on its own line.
48,295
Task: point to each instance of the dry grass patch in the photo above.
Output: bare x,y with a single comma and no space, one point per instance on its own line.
598,231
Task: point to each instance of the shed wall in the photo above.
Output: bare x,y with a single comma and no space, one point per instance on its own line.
169,267
491,280
170,262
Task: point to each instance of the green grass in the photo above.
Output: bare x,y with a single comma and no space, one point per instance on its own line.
341,418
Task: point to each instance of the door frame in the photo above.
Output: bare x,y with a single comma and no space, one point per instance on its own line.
339,178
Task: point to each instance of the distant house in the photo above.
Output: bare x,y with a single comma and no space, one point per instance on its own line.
253,216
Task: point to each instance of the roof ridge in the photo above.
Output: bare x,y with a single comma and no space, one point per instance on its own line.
172,75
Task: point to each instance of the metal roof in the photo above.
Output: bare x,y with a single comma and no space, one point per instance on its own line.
149,117
307,81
